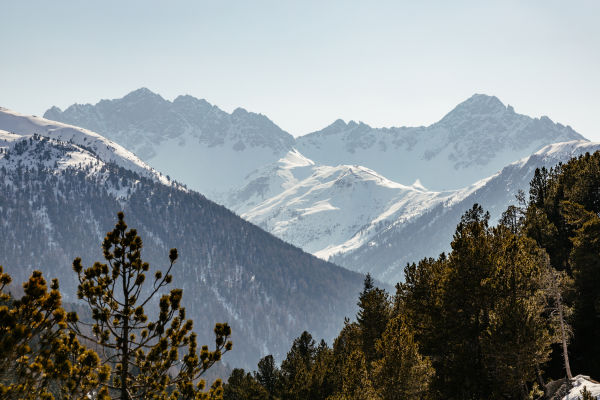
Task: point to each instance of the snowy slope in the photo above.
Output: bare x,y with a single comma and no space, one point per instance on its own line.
337,209
268,181
193,141
475,140
579,382
430,233
357,218
17,126
330,211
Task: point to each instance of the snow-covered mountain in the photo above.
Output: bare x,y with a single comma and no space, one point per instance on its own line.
346,191
189,139
355,217
430,233
60,190
475,140
334,209
107,151
213,152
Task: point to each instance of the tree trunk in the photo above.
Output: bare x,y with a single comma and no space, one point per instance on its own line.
125,334
564,342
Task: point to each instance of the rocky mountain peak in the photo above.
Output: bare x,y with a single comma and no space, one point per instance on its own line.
477,106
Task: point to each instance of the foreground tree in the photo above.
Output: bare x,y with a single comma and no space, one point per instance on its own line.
41,358
155,359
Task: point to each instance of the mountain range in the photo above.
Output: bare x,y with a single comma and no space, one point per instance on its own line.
61,187
369,199
204,138
217,150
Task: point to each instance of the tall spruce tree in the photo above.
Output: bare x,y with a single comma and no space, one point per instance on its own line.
419,299
269,376
356,384
518,336
372,317
296,368
153,359
585,263
243,386
466,304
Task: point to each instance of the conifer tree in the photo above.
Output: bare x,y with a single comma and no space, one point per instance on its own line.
296,368
466,304
402,373
268,375
518,336
242,386
40,358
420,300
322,381
356,384
372,317
585,262
153,359
347,341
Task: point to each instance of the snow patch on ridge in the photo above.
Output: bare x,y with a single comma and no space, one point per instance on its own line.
106,150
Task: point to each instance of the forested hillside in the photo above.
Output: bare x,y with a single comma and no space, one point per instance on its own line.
57,200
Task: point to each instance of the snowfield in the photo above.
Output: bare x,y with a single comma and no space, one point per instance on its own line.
579,382
18,126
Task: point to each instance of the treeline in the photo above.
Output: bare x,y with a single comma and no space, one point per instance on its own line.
510,308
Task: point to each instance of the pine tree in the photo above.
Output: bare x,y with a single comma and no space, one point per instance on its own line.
402,373
466,303
348,341
322,381
518,336
372,317
242,386
297,366
40,357
269,376
419,299
145,353
356,383
585,262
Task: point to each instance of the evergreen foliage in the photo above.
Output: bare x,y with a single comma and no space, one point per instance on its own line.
372,317
40,357
402,372
562,218
152,359
242,386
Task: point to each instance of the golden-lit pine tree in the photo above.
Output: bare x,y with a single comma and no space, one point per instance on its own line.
40,357
402,372
152,359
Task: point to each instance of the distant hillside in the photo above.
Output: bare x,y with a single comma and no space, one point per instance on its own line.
58,198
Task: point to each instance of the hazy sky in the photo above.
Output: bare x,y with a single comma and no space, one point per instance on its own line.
306,63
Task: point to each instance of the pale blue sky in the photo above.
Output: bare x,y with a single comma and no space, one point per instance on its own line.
306,63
